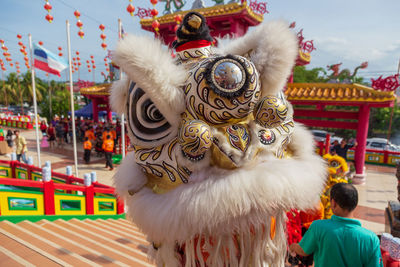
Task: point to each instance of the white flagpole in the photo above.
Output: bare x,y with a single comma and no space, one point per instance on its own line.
34,101
71,89
123,115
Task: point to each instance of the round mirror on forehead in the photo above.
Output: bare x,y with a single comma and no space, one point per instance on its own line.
227,77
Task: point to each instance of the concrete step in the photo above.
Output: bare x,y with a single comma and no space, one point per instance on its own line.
14,253
72,243
132,232
68,245
101,236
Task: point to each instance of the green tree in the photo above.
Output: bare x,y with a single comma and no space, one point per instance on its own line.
302,75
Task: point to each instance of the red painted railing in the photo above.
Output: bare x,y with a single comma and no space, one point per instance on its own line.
48,188
324,148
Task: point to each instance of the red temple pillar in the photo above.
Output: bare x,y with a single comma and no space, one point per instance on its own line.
109,114
362,134
95,110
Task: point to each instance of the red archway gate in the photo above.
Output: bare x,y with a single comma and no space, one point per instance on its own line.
311,100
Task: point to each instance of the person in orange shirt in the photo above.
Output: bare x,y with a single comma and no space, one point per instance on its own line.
114,137
87,146
108,147
89,133
106,132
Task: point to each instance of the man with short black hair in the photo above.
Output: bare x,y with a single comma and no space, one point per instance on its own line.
340,241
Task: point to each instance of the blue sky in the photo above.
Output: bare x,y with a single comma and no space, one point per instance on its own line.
343,31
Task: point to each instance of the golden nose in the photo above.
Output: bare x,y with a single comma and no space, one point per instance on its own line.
195,138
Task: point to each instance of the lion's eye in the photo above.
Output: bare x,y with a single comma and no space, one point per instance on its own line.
334,164
145,121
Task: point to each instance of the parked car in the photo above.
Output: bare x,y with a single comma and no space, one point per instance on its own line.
319,135
381,144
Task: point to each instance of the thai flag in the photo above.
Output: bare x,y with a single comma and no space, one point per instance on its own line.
47,61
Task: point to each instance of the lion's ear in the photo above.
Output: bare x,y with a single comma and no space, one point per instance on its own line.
152,68
118,95
273,49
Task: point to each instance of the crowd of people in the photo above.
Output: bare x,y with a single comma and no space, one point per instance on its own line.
103,138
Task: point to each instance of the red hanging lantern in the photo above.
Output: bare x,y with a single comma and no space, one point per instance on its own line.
22,50
19,36
11,65
40,43
87,61
26,58
3,69
103,36
94,66
77,14
102,27
105,59
60,54
4,48
154,2
79,64
154,12
92,61
106,64
92,57
130,9
155,25
78,58
48,7
1,41
74,63
107,69
81,34
20,44
49,18
73,59
76,69
60,48
104,45
79,24
89,70
77,53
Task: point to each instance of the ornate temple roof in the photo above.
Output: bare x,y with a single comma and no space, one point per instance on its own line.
336,92
97,90
218,10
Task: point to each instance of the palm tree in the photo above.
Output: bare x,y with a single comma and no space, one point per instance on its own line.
26,87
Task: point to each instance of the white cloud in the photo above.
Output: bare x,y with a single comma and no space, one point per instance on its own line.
338,48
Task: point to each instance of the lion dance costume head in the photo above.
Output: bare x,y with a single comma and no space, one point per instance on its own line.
217,158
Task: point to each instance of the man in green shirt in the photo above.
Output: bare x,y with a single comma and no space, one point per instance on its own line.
340,241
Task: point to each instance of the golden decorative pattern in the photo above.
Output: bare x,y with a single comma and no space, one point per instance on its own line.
194,54
336,92
161,164
101,89
195,139
206,105
228,9
238,136
270,112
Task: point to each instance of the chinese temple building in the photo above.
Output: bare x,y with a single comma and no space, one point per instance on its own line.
230,19
99,95
312,99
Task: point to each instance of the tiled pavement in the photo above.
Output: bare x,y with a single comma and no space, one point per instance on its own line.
380,184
